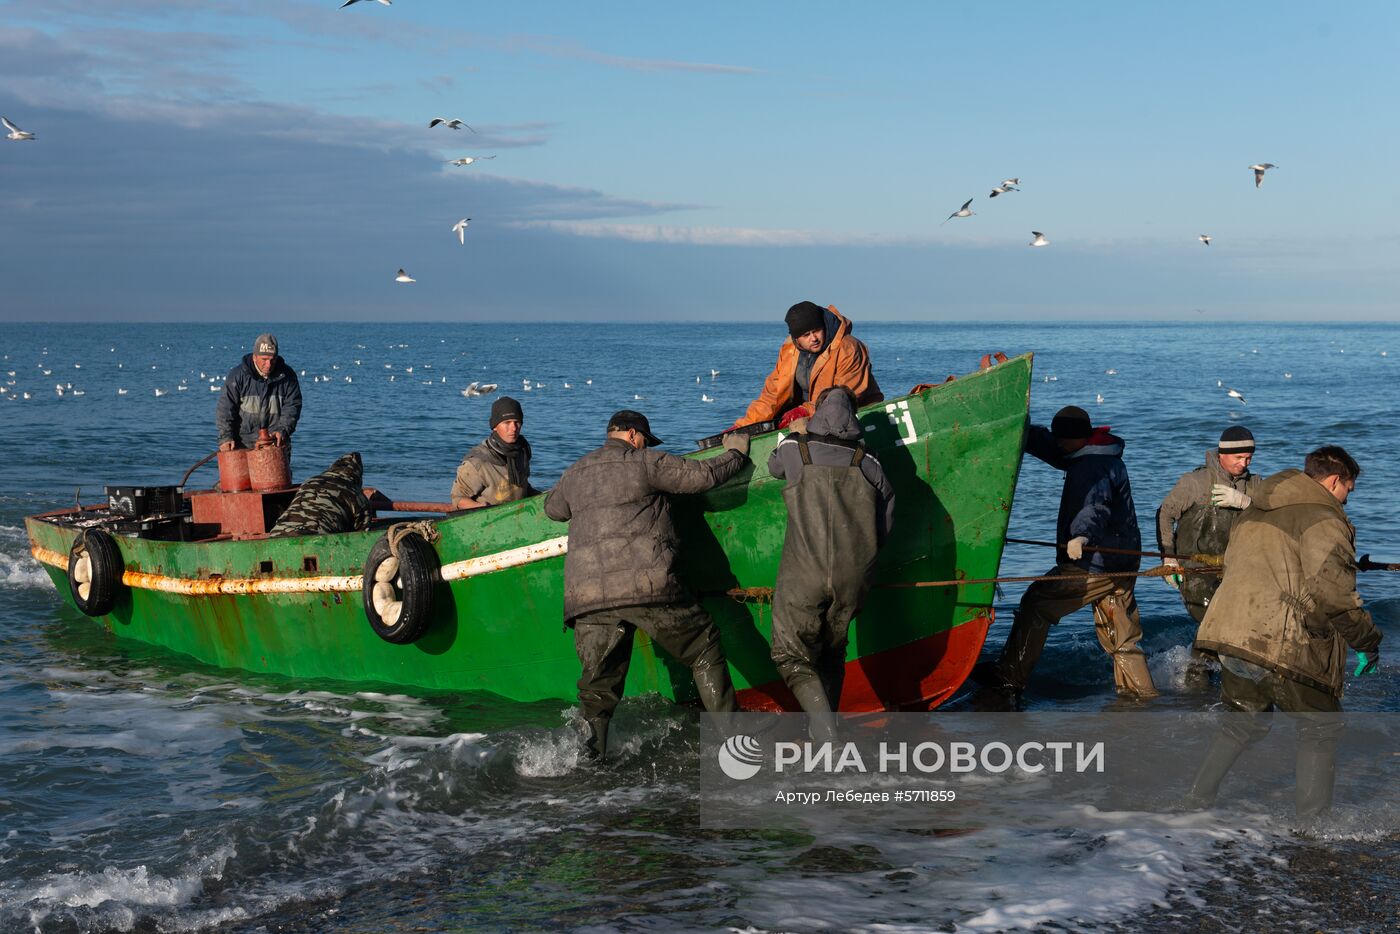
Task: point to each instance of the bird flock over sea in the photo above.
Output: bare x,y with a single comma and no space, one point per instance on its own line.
1038,238
459,229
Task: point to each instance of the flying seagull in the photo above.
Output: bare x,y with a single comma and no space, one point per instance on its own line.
348,2
453,124
460,229
1039,239
1002,189
963,211
1235,394
1259,172
404,277
1205,238
15,132
468,160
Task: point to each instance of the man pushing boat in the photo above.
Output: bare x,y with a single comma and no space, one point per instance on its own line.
620,574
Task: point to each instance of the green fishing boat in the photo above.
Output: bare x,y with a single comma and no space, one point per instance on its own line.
473,601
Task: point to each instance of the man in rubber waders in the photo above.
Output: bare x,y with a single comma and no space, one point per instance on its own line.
498,469
840,509
1281,622
260,392
820,352
1196,518
620,575
1096,509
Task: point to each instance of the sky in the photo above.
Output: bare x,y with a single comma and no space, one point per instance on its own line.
271,159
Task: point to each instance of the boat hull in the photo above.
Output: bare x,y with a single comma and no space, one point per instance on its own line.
292,606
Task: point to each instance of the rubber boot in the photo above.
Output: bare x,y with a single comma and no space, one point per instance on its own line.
821,722
715,689
832,682
595,738
1019,655
1314,775
1219,759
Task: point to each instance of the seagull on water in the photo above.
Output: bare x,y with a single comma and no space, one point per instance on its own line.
15,132
1205,238
1235,394
1259,171
468,160
705,398
348,2
1039,239
963,211
713,373
453,124
460,229
404,277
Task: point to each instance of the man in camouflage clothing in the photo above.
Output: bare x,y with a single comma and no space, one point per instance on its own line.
329,502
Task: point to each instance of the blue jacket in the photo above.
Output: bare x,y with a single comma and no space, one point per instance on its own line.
250,402
1097,500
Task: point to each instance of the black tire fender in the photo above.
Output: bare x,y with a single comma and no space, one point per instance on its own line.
95,569
398,593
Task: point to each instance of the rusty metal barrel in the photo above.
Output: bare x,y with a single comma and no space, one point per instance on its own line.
233,471
268,468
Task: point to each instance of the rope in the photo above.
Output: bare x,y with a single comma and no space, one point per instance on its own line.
399,530
765,594
1207,559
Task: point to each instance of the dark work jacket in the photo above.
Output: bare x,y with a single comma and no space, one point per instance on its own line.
622,542
250,402
1096,501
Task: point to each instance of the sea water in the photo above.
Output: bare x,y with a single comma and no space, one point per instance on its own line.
140,790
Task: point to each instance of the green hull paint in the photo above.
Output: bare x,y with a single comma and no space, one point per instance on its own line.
501,632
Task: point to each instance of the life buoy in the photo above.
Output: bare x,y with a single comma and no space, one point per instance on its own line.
398,590
95,572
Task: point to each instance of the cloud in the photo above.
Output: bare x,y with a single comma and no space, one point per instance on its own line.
715,236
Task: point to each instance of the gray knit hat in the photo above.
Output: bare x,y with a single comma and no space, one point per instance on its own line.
1236,440
265,343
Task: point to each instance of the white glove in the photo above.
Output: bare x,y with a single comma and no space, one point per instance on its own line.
1075,547
1229,497
1173,580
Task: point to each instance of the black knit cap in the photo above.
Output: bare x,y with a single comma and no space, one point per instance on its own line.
1236,439
1071,422
626,418
804,317
504,408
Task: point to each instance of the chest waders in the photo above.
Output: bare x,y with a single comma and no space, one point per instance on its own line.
1202,529
828,554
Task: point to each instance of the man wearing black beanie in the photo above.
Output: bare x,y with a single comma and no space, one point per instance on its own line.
498,469
1096,512
820,353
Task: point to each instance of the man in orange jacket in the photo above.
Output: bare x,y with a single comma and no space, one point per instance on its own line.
820,353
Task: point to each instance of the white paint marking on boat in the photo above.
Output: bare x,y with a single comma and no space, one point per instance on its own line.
899,415
510,558
457,570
